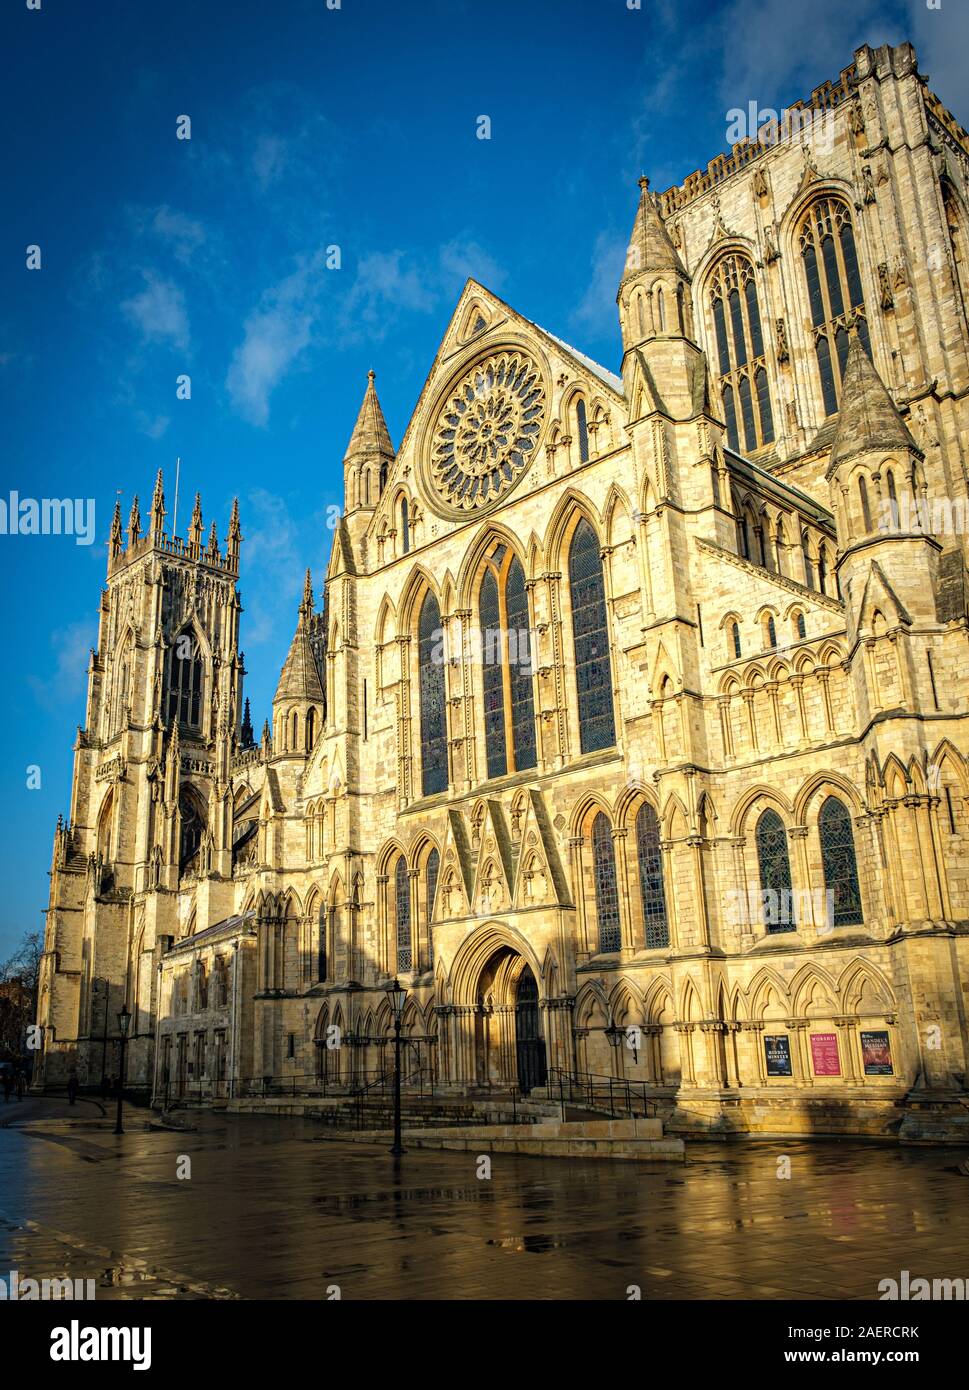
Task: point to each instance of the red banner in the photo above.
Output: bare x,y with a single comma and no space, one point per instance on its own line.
824,1054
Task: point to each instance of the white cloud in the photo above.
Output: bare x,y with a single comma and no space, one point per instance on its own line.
275,334
596,310
460,259
185,235
270,160
72,645
159,311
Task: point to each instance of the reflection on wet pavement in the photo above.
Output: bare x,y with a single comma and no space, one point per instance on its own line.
271,1212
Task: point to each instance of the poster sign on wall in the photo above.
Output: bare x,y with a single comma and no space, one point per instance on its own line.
777,1050
824,1054
876,1054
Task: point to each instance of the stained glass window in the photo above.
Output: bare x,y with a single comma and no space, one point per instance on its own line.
775,873
509,702
593,668
771,633
583,426
607,897
740,353
432,698
402,903
834,291
404,526
801,626
321,947
650,859
840,866
430,872
184,702
735,638
493,677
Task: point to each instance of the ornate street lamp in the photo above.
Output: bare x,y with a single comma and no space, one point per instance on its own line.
124,1023
398,997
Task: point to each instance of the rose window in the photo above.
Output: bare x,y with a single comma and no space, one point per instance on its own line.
488,431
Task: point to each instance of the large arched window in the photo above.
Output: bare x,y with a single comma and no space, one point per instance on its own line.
650,859
827,241
402,915
184,686
607,897
509,706
191,829
430,889
590,634
740,354
430,648
840,866
775,873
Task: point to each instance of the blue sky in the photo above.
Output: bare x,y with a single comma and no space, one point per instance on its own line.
313,127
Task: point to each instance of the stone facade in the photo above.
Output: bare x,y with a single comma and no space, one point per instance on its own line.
632,733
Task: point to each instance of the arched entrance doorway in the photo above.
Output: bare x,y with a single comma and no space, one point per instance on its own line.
509,1047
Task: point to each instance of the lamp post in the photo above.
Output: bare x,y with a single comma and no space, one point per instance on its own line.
398,996
124,1022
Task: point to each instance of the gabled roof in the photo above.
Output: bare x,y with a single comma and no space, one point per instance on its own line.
300,677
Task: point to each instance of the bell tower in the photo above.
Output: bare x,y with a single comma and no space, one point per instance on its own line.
150,800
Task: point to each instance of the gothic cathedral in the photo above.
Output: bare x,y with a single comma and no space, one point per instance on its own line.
631,731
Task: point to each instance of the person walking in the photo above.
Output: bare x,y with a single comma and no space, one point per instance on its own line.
21,1083
7,1086
72,1088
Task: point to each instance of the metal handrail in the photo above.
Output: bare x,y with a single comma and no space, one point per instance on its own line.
592,1086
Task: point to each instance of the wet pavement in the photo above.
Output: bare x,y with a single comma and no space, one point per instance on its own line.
277,1208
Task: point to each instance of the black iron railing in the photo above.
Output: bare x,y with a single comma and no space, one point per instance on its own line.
622,1098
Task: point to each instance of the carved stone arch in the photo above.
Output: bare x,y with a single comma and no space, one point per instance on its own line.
720,250
789,224
858,974
469,574
817,788
536,557
691,1008
477,949
630,799
734,1003
729,686
770,797
416,585
570,509
803,983
386,625
585,811
617,513
778,670
663,669
626,1005
657,996
388,854
947,757
895,778
675,819
591,1002
766,982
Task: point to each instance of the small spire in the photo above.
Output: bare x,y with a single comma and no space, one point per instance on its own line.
213,539
195,527
246,731
868,418
134,522
114,547
158,506
234,539
370,433
650,246
307,604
